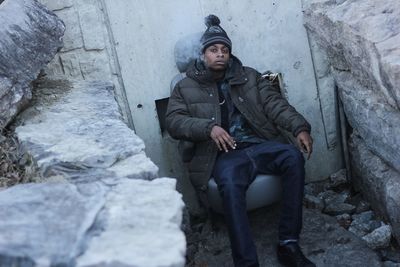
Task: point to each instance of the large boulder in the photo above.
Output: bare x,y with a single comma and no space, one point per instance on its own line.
30,36
100,202
379,183
361,40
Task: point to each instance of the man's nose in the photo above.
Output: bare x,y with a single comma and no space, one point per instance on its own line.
220,53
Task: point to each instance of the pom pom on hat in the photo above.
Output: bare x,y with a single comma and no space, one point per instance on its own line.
214,34
211,20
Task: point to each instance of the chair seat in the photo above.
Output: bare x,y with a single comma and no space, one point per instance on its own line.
264,190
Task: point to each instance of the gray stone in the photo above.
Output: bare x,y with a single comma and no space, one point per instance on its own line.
390,264
375,121
328,196
344,220
363,206
361,223
361,36
339,208
57,4
79,139
142,227
379,238
313,202
322,240
379,183
360,39
30,37
338,179
46,223
76,136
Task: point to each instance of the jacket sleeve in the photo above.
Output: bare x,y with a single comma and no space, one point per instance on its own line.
179,122
277,108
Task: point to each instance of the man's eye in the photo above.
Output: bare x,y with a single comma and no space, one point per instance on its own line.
214,50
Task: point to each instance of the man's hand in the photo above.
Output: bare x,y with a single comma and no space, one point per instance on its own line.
222,138
305,142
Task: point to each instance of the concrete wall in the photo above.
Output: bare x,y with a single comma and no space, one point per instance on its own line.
266,35
132,43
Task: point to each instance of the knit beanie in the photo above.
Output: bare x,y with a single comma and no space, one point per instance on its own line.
214,34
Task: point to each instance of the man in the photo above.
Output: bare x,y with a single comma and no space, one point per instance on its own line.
231,113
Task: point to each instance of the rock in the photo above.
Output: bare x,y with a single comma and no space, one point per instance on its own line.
313,202
322,240
338,179
79,142
390,264
379,183
79,139
142,227
363,206
344,220
328,196
363,218
339,208
37,33
46,223
361,223
361,39
379,238
334,202
391,254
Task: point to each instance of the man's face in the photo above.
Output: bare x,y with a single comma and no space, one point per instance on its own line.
216,57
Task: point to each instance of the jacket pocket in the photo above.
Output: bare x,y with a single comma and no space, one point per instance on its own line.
186,150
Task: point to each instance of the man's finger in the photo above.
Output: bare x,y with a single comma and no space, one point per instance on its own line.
222,142
217,143
229,140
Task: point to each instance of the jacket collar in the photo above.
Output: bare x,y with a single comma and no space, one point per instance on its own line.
234,74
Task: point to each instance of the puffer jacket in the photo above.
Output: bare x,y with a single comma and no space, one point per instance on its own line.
193,110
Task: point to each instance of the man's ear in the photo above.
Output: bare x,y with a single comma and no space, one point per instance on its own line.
202,57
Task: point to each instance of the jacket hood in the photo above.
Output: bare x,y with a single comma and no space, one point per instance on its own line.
234,73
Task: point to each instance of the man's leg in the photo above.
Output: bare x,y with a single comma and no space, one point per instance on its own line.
288,162
233,172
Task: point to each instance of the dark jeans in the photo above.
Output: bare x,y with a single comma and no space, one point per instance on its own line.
235,170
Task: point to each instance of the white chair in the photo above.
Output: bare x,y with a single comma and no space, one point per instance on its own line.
263,191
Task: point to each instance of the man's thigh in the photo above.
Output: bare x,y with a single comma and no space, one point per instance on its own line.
234,168
273,157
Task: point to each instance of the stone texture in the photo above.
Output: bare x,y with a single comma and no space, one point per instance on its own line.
379,183
142,228
339,208
360,39
86,155
30,36
82,132
375,121
338,179
46,223
313,202
361,36
379,238
322,240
